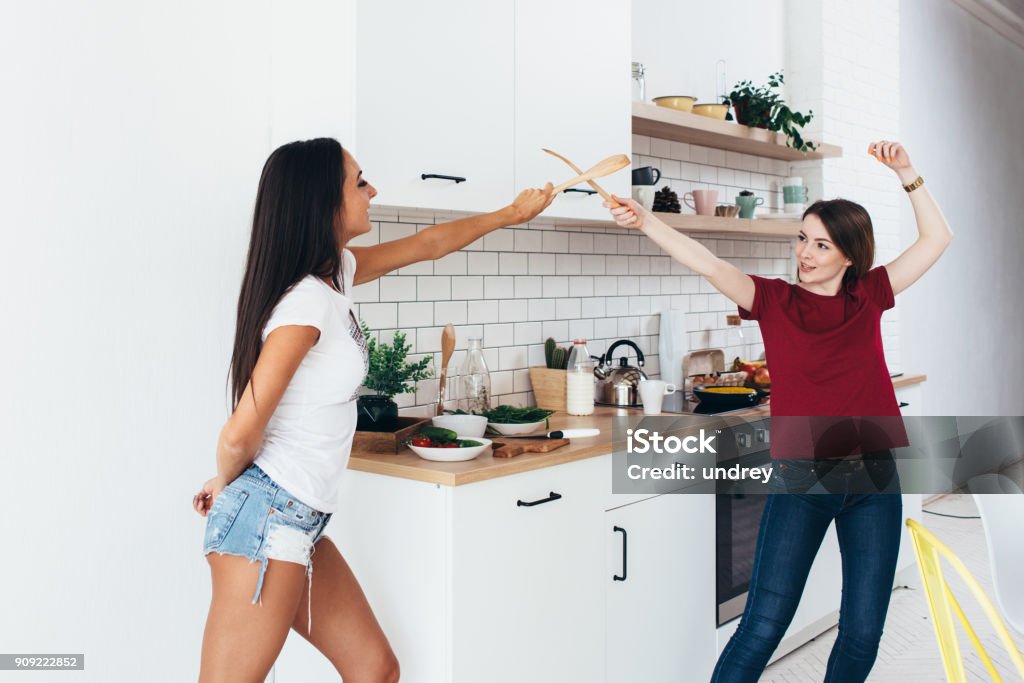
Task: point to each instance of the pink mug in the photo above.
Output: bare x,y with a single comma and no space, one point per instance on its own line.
704,201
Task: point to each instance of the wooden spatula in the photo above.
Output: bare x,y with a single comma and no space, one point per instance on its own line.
599,170
600,190
447,349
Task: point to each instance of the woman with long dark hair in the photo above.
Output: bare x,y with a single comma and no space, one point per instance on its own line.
299,358
823,342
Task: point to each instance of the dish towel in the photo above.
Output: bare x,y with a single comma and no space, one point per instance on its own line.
672,345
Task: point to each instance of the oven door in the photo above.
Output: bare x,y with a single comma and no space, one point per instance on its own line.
737,521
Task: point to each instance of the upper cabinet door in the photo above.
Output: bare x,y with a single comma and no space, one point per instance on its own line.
572,96
435,96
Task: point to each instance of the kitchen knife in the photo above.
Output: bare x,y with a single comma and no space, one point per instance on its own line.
557,434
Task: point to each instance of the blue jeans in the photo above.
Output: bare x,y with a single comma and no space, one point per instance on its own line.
868,526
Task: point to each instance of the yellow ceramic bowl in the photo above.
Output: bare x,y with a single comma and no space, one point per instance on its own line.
679,102
712,111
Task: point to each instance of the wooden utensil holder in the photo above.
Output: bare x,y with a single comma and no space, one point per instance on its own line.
548,387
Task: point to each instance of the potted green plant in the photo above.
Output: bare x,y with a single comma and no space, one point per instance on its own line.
763,107
388,375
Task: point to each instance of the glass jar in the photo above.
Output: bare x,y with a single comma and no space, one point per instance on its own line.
579,380
474,379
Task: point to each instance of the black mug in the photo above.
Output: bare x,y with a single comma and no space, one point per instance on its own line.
648,175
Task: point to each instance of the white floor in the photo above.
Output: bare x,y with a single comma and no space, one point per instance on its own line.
909,651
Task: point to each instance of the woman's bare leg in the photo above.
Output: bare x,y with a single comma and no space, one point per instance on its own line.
242,640
344,628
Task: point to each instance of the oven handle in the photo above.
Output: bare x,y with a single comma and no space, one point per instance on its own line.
616,577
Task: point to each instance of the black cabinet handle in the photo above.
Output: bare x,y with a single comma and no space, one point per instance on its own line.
580,190
616,577
551,497
457,179
903,404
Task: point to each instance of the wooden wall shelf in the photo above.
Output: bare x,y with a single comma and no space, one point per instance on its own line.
669,124
693,223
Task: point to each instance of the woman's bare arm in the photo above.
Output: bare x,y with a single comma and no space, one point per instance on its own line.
933,233
723,276
444,238
242,435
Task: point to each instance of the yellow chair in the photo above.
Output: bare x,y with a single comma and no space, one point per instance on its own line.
943,605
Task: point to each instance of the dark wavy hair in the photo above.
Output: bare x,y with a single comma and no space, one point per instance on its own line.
849,226
293,236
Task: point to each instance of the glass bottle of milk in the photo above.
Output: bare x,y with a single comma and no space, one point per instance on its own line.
579,380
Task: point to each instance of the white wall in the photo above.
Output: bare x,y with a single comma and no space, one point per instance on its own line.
680,44
961,100
133,138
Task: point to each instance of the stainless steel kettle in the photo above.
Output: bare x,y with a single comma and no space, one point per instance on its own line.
618,385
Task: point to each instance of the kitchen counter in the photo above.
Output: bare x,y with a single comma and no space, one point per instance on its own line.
408,465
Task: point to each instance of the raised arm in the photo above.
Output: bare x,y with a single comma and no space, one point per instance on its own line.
444,238
933,233
723,276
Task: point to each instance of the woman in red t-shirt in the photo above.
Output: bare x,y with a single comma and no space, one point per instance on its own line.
823,342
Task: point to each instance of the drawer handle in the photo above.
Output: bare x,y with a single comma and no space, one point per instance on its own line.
580,190
903,404
551,497
616,577
457,179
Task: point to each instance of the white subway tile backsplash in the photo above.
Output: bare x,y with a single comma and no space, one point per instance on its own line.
628,286
542,264
512,310
527,333
605,328
606,244
482,263
513,264
529,240
639,265
379,316
452,264
481,311
541,309
592,265
617,265
556,242
582,243
397,288
581,286
468,287
629,244
500,240
416,314
434,288
556,286
556,329
568,264
606,286
567,308
499,287
592,307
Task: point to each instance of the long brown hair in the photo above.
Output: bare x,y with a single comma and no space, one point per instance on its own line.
849,226
293,236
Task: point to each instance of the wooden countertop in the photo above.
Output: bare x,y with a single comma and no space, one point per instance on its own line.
408,465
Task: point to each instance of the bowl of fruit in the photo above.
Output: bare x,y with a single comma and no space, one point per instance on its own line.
445,445
758,377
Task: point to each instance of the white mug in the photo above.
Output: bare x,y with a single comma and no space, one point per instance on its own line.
652,393
644,195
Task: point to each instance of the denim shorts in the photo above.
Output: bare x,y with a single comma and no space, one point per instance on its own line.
255,518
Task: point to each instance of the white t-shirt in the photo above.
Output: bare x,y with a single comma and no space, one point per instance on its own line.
307,442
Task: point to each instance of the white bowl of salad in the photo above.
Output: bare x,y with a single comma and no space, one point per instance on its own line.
445,445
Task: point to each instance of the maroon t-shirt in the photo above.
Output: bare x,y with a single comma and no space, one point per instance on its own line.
826,359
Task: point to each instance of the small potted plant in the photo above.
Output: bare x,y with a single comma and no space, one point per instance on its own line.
763,107
388,375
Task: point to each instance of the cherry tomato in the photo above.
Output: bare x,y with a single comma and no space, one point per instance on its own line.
421,441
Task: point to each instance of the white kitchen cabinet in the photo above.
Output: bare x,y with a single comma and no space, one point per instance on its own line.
911,395
572,82
525,577
435,96
660,612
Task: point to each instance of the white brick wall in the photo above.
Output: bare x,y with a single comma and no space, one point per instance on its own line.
843,62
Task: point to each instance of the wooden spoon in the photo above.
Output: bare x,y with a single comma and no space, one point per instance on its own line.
599,170
447,349
600,190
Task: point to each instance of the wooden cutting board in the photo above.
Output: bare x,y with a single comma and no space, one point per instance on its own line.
512,448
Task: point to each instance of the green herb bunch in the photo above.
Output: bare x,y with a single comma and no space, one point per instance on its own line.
763,107
389,374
